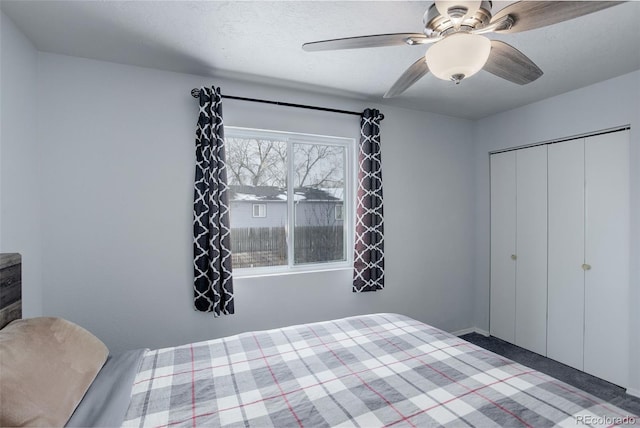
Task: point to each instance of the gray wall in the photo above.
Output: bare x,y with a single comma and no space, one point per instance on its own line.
312,213
117,188
242,214
308,213
20,194
604,105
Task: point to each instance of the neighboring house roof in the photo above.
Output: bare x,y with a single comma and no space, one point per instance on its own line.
336,192
272,193
257,193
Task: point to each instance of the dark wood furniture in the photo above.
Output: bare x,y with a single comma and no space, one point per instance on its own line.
10,287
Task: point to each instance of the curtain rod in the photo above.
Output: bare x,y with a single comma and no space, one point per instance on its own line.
195,93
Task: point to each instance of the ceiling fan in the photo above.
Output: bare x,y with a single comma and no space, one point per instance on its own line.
460,50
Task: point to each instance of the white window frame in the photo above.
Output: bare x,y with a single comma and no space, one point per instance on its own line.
262,210
348,203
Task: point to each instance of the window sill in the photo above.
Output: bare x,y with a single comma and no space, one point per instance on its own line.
301,271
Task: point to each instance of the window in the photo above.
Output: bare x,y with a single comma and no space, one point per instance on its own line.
305,183
259,210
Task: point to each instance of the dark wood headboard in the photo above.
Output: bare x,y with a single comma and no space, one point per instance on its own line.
10,287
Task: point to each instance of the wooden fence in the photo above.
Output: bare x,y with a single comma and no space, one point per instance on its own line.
267,246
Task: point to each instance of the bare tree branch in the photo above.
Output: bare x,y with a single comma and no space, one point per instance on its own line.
263,162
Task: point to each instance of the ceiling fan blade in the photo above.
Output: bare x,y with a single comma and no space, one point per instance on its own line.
372,41
509,63
408,78
529,15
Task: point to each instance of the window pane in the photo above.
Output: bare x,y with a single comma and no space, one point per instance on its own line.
319,187
257,175
265,168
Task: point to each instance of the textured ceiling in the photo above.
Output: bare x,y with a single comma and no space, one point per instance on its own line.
262,41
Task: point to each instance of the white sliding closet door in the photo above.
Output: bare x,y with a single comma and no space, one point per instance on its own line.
607,253
531,245
565,331
503,245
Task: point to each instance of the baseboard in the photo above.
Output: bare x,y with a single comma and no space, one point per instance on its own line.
634,392
470,330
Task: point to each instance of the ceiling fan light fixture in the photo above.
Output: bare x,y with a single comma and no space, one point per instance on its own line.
460,54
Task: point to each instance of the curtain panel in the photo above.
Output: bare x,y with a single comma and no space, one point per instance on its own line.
213,282
368,263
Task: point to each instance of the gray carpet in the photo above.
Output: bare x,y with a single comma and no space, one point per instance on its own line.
595,386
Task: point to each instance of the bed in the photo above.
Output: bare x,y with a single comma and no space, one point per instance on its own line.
365,371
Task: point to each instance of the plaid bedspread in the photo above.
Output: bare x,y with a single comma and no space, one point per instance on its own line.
366,371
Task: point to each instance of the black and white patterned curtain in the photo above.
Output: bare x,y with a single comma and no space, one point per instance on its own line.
368,263
213,283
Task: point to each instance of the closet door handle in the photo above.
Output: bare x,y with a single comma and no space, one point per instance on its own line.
514,257
586,267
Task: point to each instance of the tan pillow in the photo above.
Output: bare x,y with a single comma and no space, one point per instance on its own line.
46,366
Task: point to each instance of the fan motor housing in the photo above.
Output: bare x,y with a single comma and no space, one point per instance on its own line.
440,25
